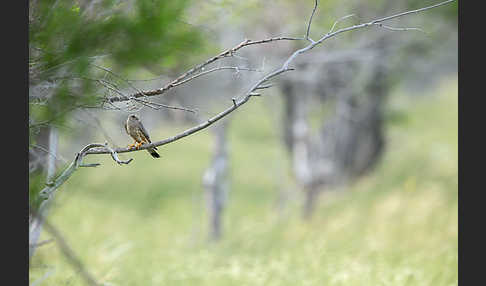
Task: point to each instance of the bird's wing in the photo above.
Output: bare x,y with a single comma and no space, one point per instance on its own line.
126,128
144,131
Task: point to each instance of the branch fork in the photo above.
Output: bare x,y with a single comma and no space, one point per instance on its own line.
78,162
92,148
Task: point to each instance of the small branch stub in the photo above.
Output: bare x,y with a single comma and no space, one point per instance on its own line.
78,162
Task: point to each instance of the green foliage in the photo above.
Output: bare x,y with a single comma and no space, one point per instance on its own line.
152,32
145,223
65,38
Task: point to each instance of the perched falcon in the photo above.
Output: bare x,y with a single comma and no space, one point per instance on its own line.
135,129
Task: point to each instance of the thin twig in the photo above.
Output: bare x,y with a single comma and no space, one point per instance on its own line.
44,277
44,242
109,86
400,29
120,77
237,69
237,103
53,186
149,104
339,20
114,155
310,22
412,11
155,105
69,254
355,27
264,86
100,127
58,157
176,82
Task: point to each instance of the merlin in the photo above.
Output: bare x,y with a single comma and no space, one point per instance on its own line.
135,129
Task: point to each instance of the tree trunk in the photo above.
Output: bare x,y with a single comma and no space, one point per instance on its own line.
311,196
35,226
350,139
215,181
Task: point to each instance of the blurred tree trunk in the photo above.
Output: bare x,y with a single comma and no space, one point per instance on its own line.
297,140
215,180
35,223
310,201
37,157
350,140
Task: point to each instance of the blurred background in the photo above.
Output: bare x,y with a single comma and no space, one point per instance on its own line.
343,172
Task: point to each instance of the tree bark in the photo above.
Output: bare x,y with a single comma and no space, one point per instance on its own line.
350,139
35,226
215,181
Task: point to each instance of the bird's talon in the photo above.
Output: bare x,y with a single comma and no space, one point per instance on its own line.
135,129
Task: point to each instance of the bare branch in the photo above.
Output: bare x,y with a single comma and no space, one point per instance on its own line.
355,27
412,11
192,71
52,186
96,148
58,157
155,105
120,77
35,225
237,103
310,22
41,279
44,242
69,254
400,29
149,79
109,86
112,87
104,149
89,165
237,69
264,86
114,155
339,20
99,126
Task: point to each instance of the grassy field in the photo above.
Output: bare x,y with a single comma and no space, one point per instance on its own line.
146,223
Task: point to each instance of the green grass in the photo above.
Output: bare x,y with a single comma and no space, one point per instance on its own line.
146,223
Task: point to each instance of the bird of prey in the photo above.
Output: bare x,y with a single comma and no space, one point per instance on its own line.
135,129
